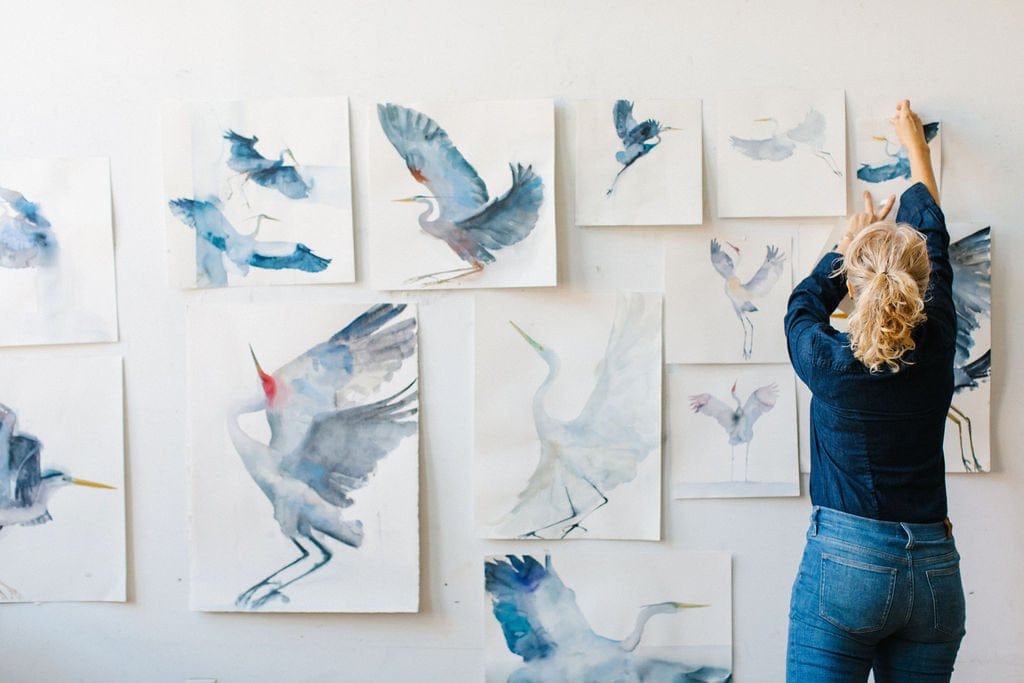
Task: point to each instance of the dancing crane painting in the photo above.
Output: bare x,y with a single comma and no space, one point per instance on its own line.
742,295
331,423
638,139
26,237
458,209
543,625
808,135
737,422
898,164
270,173
583,459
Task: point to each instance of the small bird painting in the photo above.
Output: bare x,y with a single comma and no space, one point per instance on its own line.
26,238
638,139
742,295
808,136
737,422
898,164
270,173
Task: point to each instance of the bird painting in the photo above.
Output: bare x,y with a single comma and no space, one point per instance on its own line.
898,165
26,488
217,239
742,295
583,459
808,135
737,422
270,173
26,238
542,623
328,431
458,209
971,258
638,139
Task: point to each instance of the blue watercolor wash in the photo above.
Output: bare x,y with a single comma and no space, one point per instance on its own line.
269,173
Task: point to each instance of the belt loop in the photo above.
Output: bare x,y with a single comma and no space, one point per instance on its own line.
949,527
910,536
814,520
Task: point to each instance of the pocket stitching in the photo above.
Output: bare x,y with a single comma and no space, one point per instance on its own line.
892,571
945,571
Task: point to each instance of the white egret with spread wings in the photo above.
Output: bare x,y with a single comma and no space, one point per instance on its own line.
741,294
737,422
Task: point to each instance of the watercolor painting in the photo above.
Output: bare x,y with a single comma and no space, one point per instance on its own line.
770,141
258,192
639,173
568,416
438,222
62,535
967,444
668,618
733,431
321,445
736,284
883,163
56,252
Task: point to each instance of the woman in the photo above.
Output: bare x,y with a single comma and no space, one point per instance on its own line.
879,585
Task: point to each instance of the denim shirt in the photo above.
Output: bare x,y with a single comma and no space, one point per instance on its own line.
876,438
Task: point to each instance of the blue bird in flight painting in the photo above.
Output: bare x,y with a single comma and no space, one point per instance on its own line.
327,434
269,173
542,624
807,135
638,139
898,165
217,239
26,237
458,210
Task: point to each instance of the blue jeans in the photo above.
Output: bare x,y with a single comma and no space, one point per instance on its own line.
875,595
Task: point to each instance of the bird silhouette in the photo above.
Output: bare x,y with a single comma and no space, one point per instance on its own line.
543,625
898,165
213,229
584,458
808,134
971,259
269,173
326,438
638,139
465,219
741,295
26,488
26,239
738,422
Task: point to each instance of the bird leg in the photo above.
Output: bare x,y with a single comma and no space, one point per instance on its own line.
572,513
243,599
277,592
959,418
435,279
578,524
748,336
622,170
746,462
828,159
241,188
8,593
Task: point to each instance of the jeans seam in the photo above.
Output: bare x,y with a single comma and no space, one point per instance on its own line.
869,550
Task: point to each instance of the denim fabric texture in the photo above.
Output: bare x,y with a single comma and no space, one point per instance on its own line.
876,438
875,595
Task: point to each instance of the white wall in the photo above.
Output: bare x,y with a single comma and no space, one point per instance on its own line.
87,79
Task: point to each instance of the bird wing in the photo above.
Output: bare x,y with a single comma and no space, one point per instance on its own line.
722,262
434,160
766,149
931,130
341,449
24,469
511,217
760,402
971,258
810,131
28,210
768,274
300,258
284,179
244,157
879,174
622,113
206,219
715,408
535,609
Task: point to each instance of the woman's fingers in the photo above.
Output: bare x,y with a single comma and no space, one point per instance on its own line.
869,204
887,207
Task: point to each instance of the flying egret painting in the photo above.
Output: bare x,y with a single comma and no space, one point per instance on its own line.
736,284
56,252
771,141
308,416
883,164
553,619
463,195
568,416
62,532
732,431
638,162
258,192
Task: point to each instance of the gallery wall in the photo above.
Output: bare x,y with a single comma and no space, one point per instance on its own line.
89,80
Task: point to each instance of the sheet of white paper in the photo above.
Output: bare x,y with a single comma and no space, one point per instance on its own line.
781,153
585,602
73,407
234,536
732,431
881,162
652,175
64,292
600,427
484,142
708,316
305,201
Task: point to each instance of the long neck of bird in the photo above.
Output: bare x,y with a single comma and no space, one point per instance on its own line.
539,415
257,457
424,217
630,642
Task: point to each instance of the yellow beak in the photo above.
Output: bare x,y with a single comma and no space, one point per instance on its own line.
688,605
91,484
530,340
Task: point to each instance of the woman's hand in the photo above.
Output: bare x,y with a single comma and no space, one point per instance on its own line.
859,221
909,128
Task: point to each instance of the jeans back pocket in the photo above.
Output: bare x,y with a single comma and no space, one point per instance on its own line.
855,596
947,599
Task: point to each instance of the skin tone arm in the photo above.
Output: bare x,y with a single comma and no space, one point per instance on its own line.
910,132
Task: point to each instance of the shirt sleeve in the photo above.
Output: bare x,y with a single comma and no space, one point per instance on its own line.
919,210
810,306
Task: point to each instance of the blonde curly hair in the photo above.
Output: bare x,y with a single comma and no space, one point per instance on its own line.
887,267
